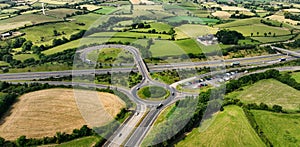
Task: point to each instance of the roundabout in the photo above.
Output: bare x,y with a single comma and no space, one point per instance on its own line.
154,93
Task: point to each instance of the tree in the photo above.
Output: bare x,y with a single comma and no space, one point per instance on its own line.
26,46
277,108
257,33
265,34
7,58
21,141
292,31
251,34
35,49
229,37
171,31
55,33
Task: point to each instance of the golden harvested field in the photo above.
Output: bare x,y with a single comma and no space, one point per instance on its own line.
45,112
292,10
232,8
221,14
281,18
90,7
135,2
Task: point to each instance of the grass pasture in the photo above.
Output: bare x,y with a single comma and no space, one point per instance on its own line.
106,10
272,39
193,31
45,112
81,142
270,92
191,19
61,12
104,37
23,57
280,129
261,28
158,26
111,55
296,76
227,128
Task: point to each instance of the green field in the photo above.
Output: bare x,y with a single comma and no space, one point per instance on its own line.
158,26
61,12
102,37
270,92
272,39
169,48
227,128
26,19
81,142
106,10
191,19
193,31
23,57
111,55
296,76
241,22
2,63
261,28
280,129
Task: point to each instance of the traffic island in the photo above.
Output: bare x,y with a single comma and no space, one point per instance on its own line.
153,93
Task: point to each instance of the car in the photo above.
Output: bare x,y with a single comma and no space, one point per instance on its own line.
173,93
282,59
137,88
159,105
137,113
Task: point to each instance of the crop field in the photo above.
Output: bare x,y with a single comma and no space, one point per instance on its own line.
26,19
10,10
227,128
232,8
292,10
280,129
192,19
90,7
23,57
222,14
81,142
270,92
281,18
58,2
45,112
106,10
60,13
193,31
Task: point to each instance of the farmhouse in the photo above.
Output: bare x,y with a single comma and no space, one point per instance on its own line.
209,39
5,35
